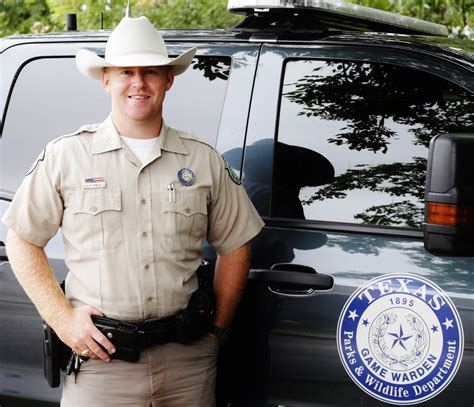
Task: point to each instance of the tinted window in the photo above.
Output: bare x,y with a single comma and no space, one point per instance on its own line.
353,140
51,98
195,101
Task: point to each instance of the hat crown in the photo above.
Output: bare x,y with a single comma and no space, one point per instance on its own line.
134,36
134,42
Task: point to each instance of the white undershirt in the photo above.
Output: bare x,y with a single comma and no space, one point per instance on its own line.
140,147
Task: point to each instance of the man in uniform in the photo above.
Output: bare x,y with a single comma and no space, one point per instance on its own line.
134,199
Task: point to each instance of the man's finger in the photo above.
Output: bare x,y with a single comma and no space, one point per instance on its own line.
93,311
103,341
97,350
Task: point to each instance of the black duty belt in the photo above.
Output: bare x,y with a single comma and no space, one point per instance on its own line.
156,332
189,324
131,337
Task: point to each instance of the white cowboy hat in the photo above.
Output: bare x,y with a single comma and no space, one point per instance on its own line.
134,42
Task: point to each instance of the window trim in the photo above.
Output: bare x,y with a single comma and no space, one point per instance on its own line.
15,79
320,225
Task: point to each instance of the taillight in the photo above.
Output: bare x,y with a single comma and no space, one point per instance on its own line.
449,196
449,214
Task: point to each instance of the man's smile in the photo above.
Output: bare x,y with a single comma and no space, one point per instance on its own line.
139,97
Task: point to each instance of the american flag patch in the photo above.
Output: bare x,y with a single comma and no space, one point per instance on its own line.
95,182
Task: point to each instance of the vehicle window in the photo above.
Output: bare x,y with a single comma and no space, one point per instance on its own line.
51,98
353,139
195,101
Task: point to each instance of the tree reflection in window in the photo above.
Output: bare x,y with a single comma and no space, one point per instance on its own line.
369,104
213,67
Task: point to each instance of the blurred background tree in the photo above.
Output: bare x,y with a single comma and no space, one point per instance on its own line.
17,17
30,16
34,16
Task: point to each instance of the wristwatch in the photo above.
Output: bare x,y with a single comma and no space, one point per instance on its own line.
221,333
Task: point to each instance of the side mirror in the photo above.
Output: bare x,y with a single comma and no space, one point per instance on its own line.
449,196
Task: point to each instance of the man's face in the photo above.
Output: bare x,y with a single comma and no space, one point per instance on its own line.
137,92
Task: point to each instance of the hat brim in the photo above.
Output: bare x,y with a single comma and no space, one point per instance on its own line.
91,65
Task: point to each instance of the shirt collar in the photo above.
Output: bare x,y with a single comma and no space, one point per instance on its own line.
106,138
170,141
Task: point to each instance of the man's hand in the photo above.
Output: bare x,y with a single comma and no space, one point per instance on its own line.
72,325
80,334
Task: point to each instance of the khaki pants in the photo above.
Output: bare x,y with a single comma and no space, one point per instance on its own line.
166,375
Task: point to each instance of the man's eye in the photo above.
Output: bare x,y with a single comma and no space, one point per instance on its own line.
151,72
126,72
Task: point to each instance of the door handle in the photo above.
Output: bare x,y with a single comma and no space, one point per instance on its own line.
293,279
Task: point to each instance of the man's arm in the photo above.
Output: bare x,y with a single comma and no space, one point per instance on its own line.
72,325
230,280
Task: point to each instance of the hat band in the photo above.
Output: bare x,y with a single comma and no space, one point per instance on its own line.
138,59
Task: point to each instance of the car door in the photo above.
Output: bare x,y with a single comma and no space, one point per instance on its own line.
47,97
335,161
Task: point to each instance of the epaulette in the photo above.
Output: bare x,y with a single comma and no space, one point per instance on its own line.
193,137
87,128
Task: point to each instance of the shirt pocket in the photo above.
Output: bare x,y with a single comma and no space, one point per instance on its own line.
185,220
97,217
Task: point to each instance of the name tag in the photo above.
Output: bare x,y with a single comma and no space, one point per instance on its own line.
92,183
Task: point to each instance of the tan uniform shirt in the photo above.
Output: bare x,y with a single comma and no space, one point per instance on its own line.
132,232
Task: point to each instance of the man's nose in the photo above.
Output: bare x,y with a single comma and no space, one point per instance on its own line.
138,80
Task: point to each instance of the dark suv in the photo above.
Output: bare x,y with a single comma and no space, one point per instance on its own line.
326,110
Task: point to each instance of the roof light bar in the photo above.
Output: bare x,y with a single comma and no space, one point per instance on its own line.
341,10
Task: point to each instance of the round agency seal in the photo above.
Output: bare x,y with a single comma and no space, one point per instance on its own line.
186,177
400,339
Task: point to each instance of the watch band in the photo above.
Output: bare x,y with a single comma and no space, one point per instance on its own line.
221,333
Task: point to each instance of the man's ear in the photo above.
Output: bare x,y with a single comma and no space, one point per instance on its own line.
106,80
170,79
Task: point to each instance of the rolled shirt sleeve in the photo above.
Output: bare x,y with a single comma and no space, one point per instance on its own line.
36,210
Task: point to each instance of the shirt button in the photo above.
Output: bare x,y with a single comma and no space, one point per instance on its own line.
93,209
147,267
149,299
187,210
144,234
143,201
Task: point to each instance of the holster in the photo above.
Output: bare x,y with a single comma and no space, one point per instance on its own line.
55,356
196,319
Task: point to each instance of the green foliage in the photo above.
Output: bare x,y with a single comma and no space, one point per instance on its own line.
88,13
192,14
29,16
162,13
33,16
